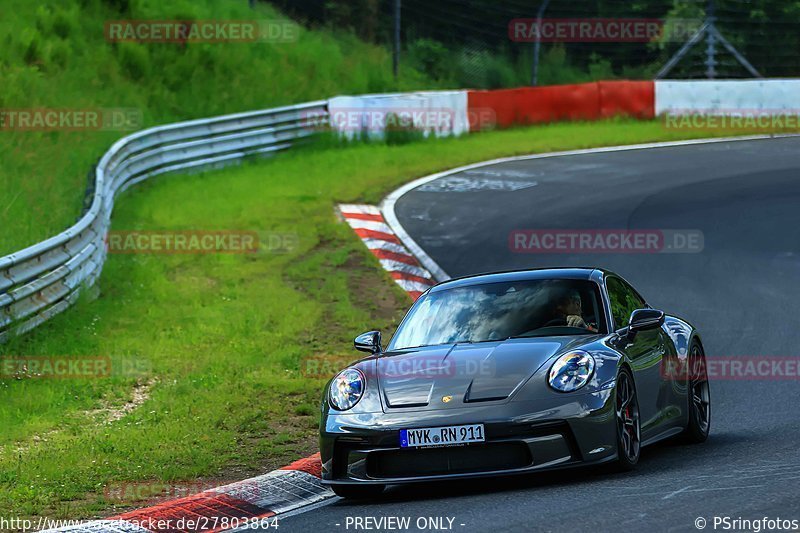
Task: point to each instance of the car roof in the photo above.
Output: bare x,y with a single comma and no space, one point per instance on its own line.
520,275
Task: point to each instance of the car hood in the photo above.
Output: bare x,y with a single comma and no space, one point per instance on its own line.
424,378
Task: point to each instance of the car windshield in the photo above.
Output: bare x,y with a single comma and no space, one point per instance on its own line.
497,311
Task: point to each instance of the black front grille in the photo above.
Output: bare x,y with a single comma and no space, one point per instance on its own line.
452,460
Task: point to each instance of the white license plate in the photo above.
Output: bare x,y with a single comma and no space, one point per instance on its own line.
441,436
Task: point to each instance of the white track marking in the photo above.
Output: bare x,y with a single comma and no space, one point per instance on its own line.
357,223
375,244
397,266
359,209
411,286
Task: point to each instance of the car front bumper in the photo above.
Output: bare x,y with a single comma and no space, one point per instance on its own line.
521,436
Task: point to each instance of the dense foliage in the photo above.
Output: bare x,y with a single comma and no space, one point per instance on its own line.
466,43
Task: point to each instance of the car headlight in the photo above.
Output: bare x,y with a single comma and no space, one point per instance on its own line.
571,371
347,388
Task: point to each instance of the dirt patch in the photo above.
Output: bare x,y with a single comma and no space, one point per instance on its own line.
103,415
375,289
369,286
111,413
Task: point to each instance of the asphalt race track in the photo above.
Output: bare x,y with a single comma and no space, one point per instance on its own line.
741,291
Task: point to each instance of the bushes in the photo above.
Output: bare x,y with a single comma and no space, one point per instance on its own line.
430,57
475,66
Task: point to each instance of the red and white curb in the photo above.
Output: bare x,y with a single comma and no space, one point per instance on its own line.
224,508
369,224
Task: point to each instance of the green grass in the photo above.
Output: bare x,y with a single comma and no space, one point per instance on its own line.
54,55
221,339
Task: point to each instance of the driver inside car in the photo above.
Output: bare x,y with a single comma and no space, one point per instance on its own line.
568,311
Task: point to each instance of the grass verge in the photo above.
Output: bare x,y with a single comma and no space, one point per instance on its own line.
220,341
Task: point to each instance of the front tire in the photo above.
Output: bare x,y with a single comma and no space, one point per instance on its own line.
629,443
699,397
358,492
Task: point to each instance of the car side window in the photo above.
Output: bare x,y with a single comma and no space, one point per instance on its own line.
623,300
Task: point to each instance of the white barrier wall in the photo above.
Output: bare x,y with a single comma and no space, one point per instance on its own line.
726,95
441,113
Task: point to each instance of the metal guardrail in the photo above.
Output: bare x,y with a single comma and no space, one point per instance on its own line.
44,279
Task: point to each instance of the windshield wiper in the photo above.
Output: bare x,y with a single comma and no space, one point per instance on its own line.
448,343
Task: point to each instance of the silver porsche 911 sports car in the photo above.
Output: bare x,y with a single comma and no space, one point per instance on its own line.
513,372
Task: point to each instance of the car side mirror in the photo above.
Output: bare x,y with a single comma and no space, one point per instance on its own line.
369,342
644,319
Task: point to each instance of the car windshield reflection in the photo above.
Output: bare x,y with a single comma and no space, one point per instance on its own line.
494,312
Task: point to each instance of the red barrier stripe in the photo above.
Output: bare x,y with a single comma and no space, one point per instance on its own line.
363,216
311,465
399,274
205,510
536,105
403,258
378,235
584,101
627,98
414,295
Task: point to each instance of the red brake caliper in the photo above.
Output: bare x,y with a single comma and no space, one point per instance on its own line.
628,417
